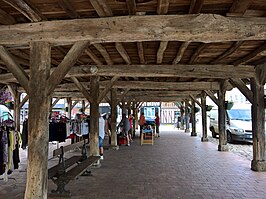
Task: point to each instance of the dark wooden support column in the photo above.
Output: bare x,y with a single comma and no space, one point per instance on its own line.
69,105
258,125
182,116
187,118
221,118
83,106
113,118
39,104
193,115
123,106
204,137
94,117
134,109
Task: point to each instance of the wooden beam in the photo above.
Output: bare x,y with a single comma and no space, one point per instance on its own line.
171,28
107,89
213,98
102,8
195,6
181,52
237,82
83,90
15,68
141,52
93,57
228,52
25,99
37,166
104,53
251,55
160,52
68,61
122,51
25,8
195,100
156,99
181,70
131,6
68,8
74,104
196,54
239,7
162,7
6,18
55,101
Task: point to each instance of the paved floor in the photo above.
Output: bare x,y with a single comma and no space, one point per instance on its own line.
176,166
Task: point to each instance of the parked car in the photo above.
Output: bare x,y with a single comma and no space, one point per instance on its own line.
238,124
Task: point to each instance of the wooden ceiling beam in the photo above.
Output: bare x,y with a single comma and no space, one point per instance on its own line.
27,9
68,8
180,70
122,51
196,54
237,82
6,18
162,7
64,52
102,8
213,97
131,6
107,88
63,68
239,7
195,6
181,52
104,53
15,68
251,55
83,90
228,52
93,57
141,52
149,85
160,52
216,28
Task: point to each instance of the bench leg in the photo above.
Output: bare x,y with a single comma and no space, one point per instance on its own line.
60,191
86,173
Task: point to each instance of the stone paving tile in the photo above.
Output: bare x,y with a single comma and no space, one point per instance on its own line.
176,166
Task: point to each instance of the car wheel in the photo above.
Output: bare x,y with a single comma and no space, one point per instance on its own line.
229,137
213,132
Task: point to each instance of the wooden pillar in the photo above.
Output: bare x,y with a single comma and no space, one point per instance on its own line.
204,117
83,106
123,107
193,118
94,116
113,118
182,116
39,104
221,118
69,104
186,118
258,126
134,109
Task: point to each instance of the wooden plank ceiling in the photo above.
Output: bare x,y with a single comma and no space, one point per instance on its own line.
142,67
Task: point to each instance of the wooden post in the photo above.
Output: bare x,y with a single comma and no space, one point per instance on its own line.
204,117
123,106
69,103
134,120
83,106
258,126
221,118
113,118
193,115
182,116
39,104
94,117
186,117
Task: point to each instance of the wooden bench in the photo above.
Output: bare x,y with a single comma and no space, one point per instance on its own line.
71,168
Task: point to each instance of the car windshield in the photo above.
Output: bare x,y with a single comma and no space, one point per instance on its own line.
240,114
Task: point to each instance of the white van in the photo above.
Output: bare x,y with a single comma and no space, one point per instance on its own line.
238,123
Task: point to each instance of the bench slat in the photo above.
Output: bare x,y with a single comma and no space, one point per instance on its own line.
58,151
81,167
68,163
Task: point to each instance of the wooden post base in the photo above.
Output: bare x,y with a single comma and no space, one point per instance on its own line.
223,148
258,165
193,134
204,139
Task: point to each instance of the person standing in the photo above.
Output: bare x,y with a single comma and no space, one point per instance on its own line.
125,127
157,122
130,132
101,135
142,122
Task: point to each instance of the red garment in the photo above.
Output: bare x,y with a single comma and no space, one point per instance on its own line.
157,121
130,122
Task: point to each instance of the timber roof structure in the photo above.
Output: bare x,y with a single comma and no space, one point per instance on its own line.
150,50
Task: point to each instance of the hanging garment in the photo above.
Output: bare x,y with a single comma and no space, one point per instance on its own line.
25,134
